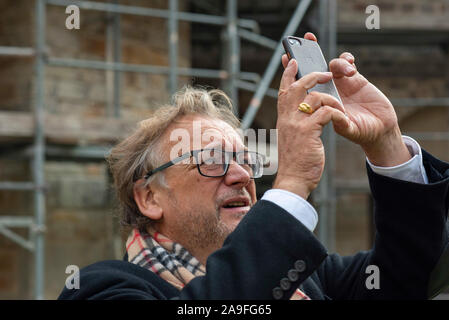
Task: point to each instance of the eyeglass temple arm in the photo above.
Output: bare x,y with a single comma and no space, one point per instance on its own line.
168,164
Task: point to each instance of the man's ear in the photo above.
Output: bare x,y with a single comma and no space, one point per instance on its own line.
144,198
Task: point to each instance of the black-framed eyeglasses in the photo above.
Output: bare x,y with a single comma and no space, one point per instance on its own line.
215,162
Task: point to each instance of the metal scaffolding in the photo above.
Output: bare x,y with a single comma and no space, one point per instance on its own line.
235,30
36,225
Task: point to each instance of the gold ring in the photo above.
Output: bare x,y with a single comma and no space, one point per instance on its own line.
305,107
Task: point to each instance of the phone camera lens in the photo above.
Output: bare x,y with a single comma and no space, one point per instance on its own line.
293,41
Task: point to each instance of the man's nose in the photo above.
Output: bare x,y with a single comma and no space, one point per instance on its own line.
237,176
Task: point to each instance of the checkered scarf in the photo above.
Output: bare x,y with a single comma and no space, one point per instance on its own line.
166,258
169,260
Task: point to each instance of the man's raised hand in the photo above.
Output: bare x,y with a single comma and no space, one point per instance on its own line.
301,151
373,122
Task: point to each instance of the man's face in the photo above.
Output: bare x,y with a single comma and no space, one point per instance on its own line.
199,212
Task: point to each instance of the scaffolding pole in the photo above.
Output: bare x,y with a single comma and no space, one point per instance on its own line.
156,13
39,152
173,46
16,51
325,194
257,39
273,65
113,54
143,68
232,54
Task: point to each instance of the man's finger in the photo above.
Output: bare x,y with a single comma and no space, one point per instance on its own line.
317,99
298,90
342,124
341,67
284,60
310,36
288,77
312,79
326,114
347,56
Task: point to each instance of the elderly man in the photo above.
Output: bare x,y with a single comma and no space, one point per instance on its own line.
192,203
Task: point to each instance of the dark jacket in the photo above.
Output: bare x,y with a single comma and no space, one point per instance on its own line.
270,254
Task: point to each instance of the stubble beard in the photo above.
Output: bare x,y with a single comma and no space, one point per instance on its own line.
205,230
200,229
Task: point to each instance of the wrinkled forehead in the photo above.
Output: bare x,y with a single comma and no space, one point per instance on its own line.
195,132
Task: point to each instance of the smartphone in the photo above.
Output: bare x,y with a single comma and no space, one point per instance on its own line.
310,58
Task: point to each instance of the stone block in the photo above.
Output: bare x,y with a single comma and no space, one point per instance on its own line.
72,90
97,92
77,185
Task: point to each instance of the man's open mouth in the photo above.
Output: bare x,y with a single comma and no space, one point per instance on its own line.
236,204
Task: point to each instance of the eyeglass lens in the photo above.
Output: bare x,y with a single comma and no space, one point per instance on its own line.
214,163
